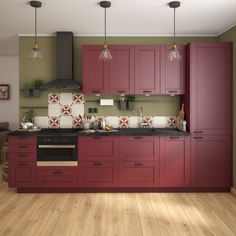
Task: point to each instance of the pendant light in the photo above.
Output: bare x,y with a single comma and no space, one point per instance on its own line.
174,52
105,54
35,52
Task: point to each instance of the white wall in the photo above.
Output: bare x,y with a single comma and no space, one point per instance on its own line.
9,74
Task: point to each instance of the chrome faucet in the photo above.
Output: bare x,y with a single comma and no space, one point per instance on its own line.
142,123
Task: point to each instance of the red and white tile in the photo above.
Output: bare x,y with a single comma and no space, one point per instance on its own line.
77,122
54,122
53,98
148,121
171,122
124,122
77,98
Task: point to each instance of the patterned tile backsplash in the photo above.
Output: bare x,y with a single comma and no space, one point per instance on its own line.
64,110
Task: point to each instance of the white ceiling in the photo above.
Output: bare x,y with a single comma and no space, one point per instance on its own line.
125,17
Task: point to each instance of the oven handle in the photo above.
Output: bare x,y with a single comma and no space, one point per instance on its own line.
56,146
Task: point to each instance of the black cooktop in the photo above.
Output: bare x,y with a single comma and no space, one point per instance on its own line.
61,131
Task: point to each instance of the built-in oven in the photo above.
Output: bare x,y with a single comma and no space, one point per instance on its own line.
57,150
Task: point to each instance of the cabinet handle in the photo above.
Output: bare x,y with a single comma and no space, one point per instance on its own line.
138,137
97,163
22,146
147,91
22,137
198,137
138,164
22,164
198,132
97,137
174,137
120,91
172,91
96,91
57,172
22,155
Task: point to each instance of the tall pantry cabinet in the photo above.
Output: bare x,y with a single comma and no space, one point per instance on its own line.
209,106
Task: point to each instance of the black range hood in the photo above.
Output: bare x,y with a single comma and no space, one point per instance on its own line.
65,70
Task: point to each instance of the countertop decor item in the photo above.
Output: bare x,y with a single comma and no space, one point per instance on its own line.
105,54
35,52
174,52
4,91
37,84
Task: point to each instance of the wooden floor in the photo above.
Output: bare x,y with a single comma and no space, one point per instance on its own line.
130,214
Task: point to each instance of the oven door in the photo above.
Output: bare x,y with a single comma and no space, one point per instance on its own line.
57,152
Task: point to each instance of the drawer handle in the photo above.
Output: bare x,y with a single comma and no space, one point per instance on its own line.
97,137
198,132
120,91
57,172
22,155
138,164
147,91
22,146
174,137
198,137
22,164
96,91
97,163
138,137
22,137
172,91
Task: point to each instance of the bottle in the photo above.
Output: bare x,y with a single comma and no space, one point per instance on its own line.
184,125
103,123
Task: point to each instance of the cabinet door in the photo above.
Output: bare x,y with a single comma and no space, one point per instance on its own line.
22,157
138,148
147,69
22,174
137,174
121,70
172,72
97,148
22,148
22,140
94,72
174,161
57,177
99,174
211,88
211,161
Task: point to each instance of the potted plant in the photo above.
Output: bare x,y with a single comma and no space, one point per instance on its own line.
37,84
130,102
122,103
26,90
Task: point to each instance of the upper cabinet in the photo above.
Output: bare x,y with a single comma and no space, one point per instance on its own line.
172,72
139,69
210,82
147,69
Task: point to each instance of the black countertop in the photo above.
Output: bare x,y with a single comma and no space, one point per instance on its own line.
119,132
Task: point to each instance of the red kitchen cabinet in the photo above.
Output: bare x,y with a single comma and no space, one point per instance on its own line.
172,72
94,71
138,174
210,88
22,157
211,161
99,174
25,148
147,69
97,148
138,148
22,174
22,140
57,177
174,161
111,77
121,70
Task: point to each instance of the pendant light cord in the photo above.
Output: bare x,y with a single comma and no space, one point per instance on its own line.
105,25
35,29
174,26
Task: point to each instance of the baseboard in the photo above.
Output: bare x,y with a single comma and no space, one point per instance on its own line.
233,191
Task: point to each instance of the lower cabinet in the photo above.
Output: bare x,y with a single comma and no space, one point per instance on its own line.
57,177
138,174
174,162
22,174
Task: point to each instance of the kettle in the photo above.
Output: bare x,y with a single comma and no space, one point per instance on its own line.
27,125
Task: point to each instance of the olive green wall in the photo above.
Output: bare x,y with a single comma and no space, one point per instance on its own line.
230,36
46,70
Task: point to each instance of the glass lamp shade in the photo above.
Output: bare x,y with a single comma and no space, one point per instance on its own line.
36,53
174,54
105,54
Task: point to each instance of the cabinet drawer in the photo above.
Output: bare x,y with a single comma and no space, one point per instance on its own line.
137,148
56,177
99,174
21,156
22,174
97,148
22,148
138,174
22,140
